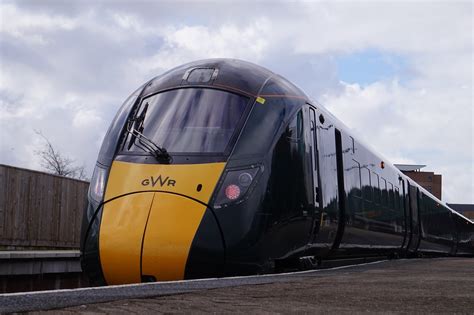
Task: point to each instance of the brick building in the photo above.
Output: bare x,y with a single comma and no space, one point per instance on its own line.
428,180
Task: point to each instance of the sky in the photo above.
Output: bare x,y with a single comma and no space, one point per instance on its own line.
400,74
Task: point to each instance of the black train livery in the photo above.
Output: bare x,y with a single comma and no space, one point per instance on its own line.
220,167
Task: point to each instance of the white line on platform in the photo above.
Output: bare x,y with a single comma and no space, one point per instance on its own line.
118,286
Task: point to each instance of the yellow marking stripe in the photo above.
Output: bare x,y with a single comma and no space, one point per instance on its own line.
172,219
173,223
121,233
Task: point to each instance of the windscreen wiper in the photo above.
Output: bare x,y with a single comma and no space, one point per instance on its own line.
147,145
135,129
136,123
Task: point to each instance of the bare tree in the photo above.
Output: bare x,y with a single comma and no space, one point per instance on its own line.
56,163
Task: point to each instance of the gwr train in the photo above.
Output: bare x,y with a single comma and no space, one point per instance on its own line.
221,167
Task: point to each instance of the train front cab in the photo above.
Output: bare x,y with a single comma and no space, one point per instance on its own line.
225,200
154,221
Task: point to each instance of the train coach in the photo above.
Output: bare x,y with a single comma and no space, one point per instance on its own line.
221,167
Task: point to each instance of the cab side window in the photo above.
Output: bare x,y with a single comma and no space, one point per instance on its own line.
294,130
288,175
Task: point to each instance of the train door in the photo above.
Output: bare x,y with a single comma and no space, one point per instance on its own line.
406,211
314,156
315,184
414,219
325,187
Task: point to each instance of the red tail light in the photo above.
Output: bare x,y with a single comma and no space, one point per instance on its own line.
232,192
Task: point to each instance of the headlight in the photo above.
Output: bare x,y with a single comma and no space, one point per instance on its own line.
97,185
235,186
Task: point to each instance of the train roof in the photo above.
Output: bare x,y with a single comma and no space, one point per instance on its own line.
231,74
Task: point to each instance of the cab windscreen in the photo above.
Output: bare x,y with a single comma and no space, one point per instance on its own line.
189,120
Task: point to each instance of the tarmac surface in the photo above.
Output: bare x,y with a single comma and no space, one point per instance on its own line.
438,285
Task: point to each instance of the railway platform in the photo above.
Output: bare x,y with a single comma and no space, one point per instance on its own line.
32,270
436,285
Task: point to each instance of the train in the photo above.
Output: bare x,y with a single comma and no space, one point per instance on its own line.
221,167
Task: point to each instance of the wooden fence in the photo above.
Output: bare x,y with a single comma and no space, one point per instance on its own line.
39,210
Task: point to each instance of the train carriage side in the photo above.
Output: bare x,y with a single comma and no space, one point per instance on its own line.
370,193
381,210
465,234
442,231
433,228
437,230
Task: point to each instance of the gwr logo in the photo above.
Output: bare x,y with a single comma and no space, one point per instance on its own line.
158,181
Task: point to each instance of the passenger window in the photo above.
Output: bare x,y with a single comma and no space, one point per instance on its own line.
384,193
376,183
354,179
397,198
366,184
391,201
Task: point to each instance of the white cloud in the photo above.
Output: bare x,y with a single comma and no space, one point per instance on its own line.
188,43
404,27
28,26
407,124
66,67
85,118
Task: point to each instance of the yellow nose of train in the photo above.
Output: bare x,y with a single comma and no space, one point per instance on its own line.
150,217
